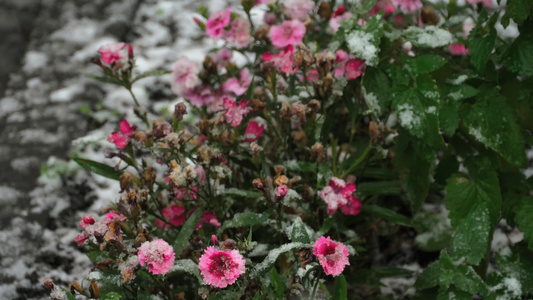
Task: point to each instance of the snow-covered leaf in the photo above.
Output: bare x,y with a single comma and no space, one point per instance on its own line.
472,235
245,220
364,40
430,36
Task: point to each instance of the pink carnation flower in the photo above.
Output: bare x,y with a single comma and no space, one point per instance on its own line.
158,255
112,52
458,49
253,131
199,96
354,68
382,5
298,9
173,214
208,217
235,111
333,256
281,191
336,194
113,216
184,75
408,6
216,23
221,268
287,33
121,140
353,207
239,33
283,60
236,86
222,57
81,238
339,15
86,221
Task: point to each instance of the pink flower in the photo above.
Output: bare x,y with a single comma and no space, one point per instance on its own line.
259,2
221,268
288,33
239,33
281,191
382,5
354,68
112,52
283,60
333,256
408,6
341,56
199,96
222,57
173,214
81,238
312,75
184,75
86,221
113,216
216,23
236,86
298,9
208,217
158,255
235,111
336,194
458,49
353,207
337,17
487,3
253,131
121,140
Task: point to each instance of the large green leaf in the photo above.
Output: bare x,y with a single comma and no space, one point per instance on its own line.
492,122
472,235
186,231
340,290
464,194
246,220
279,287
387,214
376,89
429,36
524,219
427,63
519,57
299,232
429,277
481,43
518,10
98,168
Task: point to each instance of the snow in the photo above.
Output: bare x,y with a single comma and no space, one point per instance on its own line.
407,116
430,36
360,43
373,103
459,80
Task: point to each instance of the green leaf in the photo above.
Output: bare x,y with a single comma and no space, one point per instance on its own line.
69,294
186,231
518,10
98,168
279,287
111,296
472,236
364,40
492,122
464,194
105,79
434,231
362,7
524,219
462,91
150,74
463,277
250,90
242,193
449,117
376,89
380,188
453,293
246,220
273,255
481,44
427,63
298,232
429,37
517,262
519,57
387,214
188,266
340,290
300,166
226,295
429,277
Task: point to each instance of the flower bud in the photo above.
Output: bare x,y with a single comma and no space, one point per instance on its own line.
429,17
180,110
317,152
281,180
256,149
261,34
161,128
324,10
313,107
281,191
209,65
258,184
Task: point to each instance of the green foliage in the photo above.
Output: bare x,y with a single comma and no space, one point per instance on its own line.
340,291
185,233
472,235
98,168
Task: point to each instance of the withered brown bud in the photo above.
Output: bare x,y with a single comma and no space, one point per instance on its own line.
256,149
180,110
126,180
228,244
285,110
258,105
179,296
113,232
305,255
209,65
258,184
317,152
429,17
204,155
142,236
313,107
281,180
302,56
261,34
300,136
350,178
149,176
328,82
280,170
139,136
161,128
104,264
95,290
267,67
49,284
374,131
324,62
324,10
77,287
293,181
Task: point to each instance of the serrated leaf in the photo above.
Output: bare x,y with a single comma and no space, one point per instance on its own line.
245,220
481,44
464,194
518,10
427,63
111,296
98,168
492,122
387,214
471,237
340,290
186,231
524,219
150,74
279,287
517,262
298,232
430,36
429,277
273,255
376,89
364,40
519,57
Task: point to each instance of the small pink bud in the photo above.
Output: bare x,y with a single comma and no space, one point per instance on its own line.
130,51
281,191
214,239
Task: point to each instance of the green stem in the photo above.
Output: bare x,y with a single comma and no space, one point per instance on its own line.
360,160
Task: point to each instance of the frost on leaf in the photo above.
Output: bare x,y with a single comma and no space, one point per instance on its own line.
429,36
273,256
